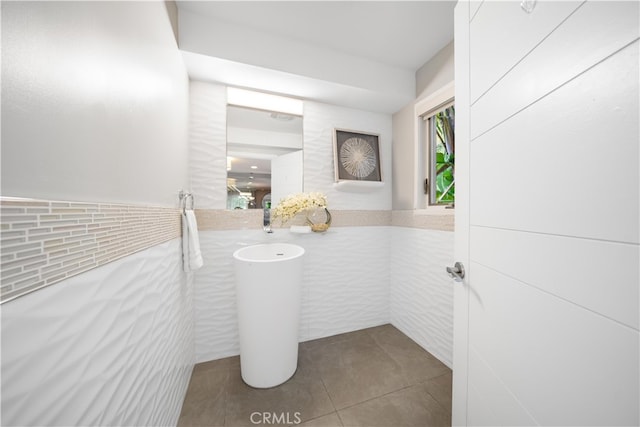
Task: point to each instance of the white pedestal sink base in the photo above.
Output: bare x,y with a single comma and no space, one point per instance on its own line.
269,279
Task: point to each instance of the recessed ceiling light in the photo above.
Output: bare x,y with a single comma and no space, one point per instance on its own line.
254,167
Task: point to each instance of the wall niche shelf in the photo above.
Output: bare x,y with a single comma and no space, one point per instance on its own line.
358,186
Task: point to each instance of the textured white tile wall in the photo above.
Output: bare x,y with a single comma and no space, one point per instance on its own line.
421,293
208,144
319,122
112,346
346,284
216,323
347,281
207,152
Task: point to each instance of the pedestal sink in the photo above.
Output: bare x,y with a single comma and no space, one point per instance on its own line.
268,283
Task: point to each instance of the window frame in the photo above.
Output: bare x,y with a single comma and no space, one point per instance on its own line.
425,107
429,133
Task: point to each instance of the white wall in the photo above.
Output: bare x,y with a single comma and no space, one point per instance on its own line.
341,292
286,176
319,122
207,159
95,108
113,346
430,78
346,274
94,102
436,72
340,261
240,44
345,285
404,157
208,144
421,293
258,137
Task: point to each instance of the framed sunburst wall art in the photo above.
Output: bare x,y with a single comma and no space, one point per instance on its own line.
356,156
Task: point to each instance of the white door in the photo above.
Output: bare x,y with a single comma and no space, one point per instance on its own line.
286,176
547,216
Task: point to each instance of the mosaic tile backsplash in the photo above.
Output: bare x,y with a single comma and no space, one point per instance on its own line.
43,242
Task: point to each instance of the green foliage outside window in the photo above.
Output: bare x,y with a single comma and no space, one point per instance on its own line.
445,187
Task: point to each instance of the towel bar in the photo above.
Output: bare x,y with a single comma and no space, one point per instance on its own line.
185,197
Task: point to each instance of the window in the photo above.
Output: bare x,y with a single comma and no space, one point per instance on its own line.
440,185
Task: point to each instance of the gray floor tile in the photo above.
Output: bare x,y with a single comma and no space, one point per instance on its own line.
322,342
302,398
440,388
204,404
374,377
417,364
356,370
202,413
209,380
410,407
331,420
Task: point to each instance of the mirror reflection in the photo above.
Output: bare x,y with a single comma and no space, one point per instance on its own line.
264,157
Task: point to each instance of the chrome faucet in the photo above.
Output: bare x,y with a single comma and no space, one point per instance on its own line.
266,218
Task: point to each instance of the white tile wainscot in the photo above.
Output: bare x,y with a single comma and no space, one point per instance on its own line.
421,293
111,346
346,284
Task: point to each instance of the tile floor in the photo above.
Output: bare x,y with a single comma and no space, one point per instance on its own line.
373,377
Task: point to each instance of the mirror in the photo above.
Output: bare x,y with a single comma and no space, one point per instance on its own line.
264,157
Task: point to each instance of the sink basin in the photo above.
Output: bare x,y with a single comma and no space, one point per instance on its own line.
268,285
269,252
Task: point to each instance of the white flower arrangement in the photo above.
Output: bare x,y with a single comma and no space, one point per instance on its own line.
293,204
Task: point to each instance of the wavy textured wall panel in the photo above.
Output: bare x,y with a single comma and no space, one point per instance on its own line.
421,292
346,284
112,346
216,322
346,280
207,155
208,144
319,122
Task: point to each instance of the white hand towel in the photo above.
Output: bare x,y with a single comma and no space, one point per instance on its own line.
191,255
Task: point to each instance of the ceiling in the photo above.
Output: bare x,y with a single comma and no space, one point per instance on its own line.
359,54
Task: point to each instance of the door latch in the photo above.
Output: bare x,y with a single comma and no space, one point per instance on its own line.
456,272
